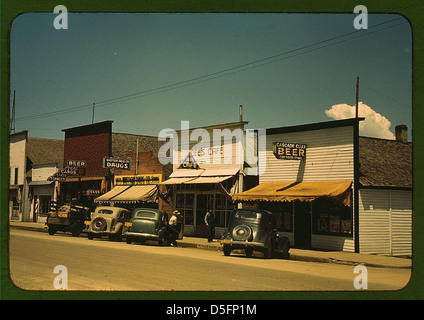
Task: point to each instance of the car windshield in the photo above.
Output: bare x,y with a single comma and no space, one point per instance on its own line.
145,215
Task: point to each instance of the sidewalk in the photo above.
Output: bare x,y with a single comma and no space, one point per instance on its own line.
295,254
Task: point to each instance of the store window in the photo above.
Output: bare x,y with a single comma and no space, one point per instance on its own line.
184,204
283,212
44,204
331,219
220,210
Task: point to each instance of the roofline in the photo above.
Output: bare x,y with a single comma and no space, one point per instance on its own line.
88,125
315,126
19,132
218,126
383,139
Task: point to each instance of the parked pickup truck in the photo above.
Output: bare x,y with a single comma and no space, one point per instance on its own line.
68,217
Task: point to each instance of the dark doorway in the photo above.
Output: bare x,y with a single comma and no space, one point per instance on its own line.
302,225
201,209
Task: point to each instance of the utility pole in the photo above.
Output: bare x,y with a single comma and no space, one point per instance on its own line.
12,120
357,96
92,116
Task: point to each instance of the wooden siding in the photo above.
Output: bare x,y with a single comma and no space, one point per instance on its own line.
385,222
329,156
401,205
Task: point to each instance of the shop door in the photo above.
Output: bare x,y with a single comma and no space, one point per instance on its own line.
202,206
302,225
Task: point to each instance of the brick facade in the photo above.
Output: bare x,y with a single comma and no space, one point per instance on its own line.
91,144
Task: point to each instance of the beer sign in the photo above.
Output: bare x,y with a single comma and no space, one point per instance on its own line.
289,151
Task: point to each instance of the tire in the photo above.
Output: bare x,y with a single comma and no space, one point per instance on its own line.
98,224
118,234
248,252
286,251
51,231
227,250
129,240
76,228
90,236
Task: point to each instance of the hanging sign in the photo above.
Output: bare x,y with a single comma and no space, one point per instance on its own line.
289,151
189,163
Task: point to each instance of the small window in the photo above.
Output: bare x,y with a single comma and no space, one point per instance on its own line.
105,211
16,176
145,214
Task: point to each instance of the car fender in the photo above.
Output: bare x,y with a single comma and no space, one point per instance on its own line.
118,226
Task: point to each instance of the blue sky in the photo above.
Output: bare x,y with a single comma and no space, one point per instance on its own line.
138,69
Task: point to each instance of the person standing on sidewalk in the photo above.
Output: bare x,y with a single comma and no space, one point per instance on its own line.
174,228
210,224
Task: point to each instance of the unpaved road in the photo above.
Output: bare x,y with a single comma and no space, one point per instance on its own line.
105,265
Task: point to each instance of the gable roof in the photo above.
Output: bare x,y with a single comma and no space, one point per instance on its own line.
43,151
385,163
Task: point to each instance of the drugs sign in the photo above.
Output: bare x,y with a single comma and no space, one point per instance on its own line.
115,163
289,151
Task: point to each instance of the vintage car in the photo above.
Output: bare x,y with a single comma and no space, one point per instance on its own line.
147,224
108,221
254,230
68,217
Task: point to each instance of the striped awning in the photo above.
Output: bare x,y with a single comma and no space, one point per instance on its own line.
129,194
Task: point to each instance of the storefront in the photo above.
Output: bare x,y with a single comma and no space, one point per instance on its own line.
135,182
194,193
207,176
308,181
84,177
306,212
332,189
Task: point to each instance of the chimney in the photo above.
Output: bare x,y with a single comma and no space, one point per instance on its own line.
401,133
241,113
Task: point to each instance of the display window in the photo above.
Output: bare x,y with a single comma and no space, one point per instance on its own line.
330,218
283,212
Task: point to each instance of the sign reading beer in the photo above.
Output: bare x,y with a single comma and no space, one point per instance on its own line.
76,163
115,163
289,151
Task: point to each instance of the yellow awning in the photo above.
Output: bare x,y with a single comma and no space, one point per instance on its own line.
338,191
108,195
129,194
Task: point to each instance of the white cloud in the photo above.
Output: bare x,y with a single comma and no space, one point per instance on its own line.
375,125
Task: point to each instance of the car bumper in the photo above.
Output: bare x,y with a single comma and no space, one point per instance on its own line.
242,244
147,236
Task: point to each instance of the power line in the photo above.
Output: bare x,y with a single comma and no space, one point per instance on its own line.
226,72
